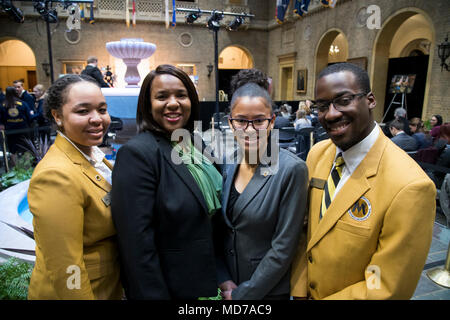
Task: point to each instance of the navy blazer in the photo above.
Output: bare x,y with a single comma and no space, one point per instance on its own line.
163,228
255,249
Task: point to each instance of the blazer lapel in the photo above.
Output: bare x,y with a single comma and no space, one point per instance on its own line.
230,171
356,186
78,159
259,179
182,171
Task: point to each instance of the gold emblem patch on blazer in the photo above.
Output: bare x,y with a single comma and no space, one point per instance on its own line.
13,112
361,209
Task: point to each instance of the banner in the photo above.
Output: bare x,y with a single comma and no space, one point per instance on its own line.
174,16
332,3
127,14
91,17
282,6
134,13
166,11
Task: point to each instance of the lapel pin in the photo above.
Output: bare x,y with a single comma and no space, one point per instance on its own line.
265,173
98,178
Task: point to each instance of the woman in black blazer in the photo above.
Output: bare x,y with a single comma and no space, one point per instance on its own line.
162,208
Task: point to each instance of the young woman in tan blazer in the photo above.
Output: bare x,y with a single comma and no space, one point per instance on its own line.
76,252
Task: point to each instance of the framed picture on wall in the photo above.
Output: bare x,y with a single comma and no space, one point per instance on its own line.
360,62
301,80
73,67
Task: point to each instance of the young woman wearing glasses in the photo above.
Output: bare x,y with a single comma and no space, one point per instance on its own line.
263,204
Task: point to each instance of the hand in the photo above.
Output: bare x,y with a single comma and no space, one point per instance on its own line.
227,285
226,295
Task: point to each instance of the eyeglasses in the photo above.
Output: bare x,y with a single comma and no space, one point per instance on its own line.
258,124
339,103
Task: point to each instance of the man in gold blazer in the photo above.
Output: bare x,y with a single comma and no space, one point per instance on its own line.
370,227
76,250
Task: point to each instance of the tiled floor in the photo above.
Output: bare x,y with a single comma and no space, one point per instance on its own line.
427,289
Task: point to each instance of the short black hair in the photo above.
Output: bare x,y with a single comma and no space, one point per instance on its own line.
362,78
144,117
438,118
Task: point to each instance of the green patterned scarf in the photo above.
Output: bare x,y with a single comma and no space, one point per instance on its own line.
208,179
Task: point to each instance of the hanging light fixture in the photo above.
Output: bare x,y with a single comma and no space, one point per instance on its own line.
214,21
235,24
193,16
15,13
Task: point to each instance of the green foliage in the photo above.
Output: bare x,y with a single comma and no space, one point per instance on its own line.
218,297
14,279
427,125
21,172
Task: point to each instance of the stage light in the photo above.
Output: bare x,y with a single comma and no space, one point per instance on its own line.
192,17
49,15
214,20
235,24
15,13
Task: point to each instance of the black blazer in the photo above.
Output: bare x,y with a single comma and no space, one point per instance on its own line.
164,232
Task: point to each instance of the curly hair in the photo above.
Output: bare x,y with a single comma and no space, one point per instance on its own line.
246,76
58,92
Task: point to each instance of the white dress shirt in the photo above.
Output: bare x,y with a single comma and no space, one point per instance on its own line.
354,155
96,160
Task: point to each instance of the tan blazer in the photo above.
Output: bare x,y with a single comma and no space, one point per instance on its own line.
76,251
374,239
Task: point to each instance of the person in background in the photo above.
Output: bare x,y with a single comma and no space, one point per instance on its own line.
15,114
436,122
301,120
69,199
93,71
400,138
2,96
371,206
24,95
423,140
165,194
262,207
42,121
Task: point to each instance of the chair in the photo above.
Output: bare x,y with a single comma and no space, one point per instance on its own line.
305,139
287,138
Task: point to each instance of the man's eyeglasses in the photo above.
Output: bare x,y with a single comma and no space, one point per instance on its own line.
339,103
242,124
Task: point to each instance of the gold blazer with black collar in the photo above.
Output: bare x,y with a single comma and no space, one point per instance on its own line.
76,250
373,241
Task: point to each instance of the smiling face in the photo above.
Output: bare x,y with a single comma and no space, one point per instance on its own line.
171,106
348,127
252,108
433,121
84,118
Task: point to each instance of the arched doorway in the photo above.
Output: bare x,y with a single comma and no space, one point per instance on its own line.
402,51
231,60
332,48
17,61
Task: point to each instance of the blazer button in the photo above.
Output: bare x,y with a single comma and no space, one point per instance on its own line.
310,259
233,231
231,252
98,178
312,285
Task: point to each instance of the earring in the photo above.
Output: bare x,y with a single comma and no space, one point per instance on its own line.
58,123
